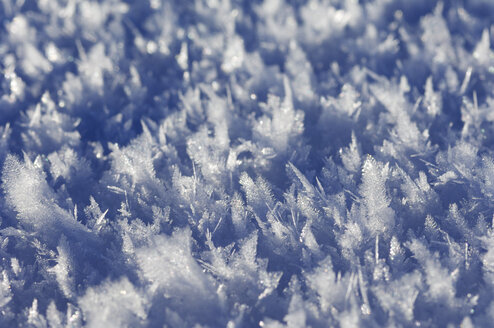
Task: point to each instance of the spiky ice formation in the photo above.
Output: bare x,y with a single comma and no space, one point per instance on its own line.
235,163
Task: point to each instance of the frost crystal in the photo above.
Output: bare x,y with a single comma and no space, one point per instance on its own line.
220,163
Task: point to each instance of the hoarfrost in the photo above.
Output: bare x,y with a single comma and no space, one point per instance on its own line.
265,163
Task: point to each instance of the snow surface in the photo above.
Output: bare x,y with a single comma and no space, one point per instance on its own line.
245,163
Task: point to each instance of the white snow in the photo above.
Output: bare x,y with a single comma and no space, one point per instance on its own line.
272,163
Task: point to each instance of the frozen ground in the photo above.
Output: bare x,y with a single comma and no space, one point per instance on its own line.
277,163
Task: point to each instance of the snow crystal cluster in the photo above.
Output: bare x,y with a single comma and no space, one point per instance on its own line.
246,163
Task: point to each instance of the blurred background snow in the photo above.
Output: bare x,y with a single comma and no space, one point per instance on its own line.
245,163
